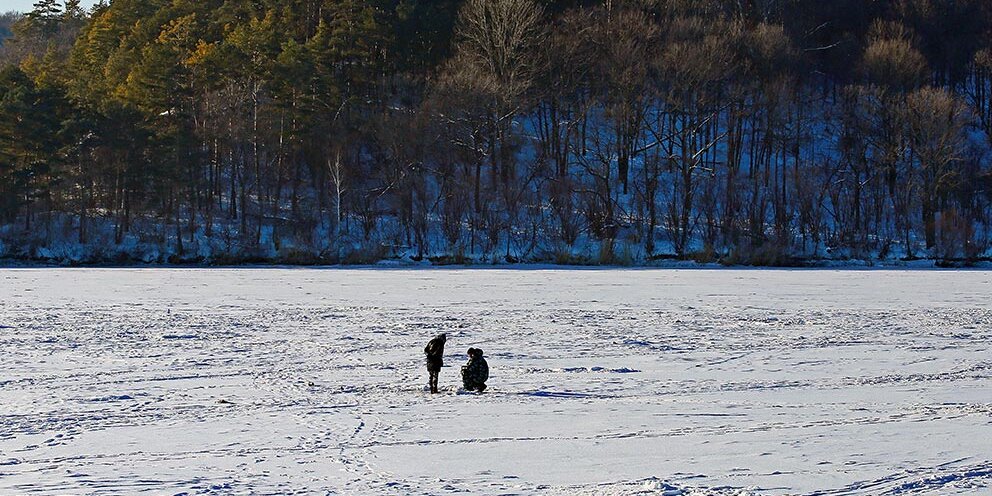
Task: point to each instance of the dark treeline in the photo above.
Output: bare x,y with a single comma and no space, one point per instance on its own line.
745,131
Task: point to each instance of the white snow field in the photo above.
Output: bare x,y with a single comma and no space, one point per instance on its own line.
311,381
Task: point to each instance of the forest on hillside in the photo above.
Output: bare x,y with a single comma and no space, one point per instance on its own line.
760,132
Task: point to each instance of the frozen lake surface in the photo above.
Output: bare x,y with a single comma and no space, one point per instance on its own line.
281,381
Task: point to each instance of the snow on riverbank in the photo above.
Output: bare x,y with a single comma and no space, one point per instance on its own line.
273,381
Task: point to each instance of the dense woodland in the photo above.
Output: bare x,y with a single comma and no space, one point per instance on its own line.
739,131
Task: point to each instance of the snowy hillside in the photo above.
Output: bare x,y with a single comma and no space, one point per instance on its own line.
283,381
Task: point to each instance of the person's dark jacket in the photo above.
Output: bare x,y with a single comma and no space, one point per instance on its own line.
435,352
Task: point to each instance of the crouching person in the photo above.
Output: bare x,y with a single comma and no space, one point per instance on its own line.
475,373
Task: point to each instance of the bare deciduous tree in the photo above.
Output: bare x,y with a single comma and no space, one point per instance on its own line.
935,122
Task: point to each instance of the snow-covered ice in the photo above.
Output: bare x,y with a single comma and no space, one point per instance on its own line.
279,381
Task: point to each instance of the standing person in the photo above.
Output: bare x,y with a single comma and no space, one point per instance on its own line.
475,373
435,359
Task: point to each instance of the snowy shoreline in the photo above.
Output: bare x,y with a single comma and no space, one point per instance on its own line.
920,264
